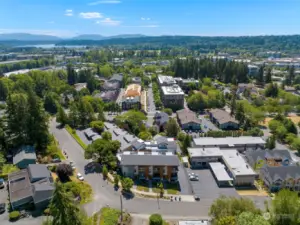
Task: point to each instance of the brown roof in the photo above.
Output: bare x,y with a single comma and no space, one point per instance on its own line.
187,116
222,116
133,90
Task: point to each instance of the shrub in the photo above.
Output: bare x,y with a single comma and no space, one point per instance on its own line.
155,219
14,215
47,212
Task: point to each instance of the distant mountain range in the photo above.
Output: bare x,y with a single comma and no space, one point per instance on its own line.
37,37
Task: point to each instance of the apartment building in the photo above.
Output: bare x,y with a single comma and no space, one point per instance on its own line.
150,166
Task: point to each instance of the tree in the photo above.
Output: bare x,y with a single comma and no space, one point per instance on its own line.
145,135
160,186
72,76
230,206
272,90
63,209
2,160
227,220
51,102
168,111
97,126
233,103
271,142
260,76
156,219
6,85
296,144
127,184
285,208
106,135
61,116
172,128
116,180
64,171
269,75
104,171
181,136
249,218
186,143
240,113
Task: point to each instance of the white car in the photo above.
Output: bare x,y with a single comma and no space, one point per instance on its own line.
80,177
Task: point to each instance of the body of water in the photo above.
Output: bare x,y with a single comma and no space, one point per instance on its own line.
53,46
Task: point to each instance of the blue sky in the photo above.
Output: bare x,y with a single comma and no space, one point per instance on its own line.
68,18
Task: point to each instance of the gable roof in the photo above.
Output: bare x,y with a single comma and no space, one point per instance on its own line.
24,152
38,171
161,118
222,116
282,172
111,86
117,77
269,154
19,185
170,142
149,160
187,116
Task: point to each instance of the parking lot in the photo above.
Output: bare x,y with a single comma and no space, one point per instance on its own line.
207,188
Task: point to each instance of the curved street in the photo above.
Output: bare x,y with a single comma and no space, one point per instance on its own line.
104,193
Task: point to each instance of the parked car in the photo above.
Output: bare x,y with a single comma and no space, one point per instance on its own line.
2,208
56,160
197,198
194,178
80,177
2,183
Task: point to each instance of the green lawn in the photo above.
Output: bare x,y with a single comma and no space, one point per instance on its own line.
111,216
72,132
143,186
155,189
172,189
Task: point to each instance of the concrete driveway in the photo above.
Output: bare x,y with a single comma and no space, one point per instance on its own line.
207,124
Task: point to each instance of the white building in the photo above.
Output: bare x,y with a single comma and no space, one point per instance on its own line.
172,96
166,80
240,143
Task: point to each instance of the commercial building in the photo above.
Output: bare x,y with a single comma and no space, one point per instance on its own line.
172,97
188,120
238,168
240,143
223,119
149,166
201,157
220,174
31,185
165,80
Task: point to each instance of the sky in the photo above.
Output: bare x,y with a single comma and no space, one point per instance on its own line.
68,18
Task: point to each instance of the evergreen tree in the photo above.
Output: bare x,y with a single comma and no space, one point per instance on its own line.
72,76
61,116
63,208
260,75
269,75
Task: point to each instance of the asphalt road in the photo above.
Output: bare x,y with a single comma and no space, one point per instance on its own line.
104,194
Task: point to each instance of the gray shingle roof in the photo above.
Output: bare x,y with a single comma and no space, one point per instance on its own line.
187,116
271,154
38,171
161,118
149,160
161,139
24,152
117,77
282,172
222,116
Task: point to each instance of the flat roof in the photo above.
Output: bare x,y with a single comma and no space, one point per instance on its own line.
229,141
172,90
194,222
202,152
166,79
236,163
219,171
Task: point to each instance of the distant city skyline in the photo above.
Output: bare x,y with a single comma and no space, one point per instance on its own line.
69,18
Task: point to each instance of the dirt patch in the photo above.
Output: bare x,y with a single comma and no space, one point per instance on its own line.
295,119
252,193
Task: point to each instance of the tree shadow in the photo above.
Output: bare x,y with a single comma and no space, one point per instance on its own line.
60,126
127,195
92,167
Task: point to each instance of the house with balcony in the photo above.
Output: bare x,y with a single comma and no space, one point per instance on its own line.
223,119
188,120
152,166
277,178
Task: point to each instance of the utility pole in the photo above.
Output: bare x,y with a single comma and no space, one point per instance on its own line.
121,201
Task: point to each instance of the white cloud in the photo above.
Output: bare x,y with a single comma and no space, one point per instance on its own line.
145,26
143,18
109,22
69,12
105,2
90,15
